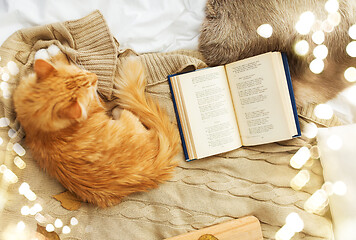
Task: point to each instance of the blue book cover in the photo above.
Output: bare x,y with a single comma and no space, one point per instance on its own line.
291,93
178,119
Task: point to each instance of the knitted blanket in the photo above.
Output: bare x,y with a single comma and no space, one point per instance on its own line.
248,181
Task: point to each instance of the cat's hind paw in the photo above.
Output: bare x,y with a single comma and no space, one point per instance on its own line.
116,113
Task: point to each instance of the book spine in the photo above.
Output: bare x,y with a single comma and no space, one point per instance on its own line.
291,93
178,119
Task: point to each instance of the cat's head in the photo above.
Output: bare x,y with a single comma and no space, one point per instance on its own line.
55,96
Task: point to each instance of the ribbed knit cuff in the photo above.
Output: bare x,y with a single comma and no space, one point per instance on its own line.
159,65
307,112
96,49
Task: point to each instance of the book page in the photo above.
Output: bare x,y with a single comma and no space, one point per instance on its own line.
284,90
209,111
258,102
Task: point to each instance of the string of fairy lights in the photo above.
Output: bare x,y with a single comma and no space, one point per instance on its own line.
317,203
10,162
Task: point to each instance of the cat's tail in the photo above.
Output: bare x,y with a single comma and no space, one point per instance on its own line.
130,87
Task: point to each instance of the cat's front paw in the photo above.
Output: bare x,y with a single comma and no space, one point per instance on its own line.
52,53
53,50
42,54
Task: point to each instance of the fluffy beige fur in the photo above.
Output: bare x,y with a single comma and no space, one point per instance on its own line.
229,34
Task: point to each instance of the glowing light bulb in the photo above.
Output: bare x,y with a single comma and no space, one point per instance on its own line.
300,158
58,223
24,187
25,190
2,168
320,51
9,176
73,221
13,68
310,130
352,32
265,30
334,18
334,142
19,162
9,146
66,230
6,94
19,149
35,209
30,195
25,210
5,77
12,133
328,188
285,233
301,47
332,6
302,28
4,86
49,228
4,122
351,94
340,188
307,18
295,222
323,111
316,66
305,23
350,74
299,181
351,49
316,202
315,152
318,37
20,226
326,26
40,218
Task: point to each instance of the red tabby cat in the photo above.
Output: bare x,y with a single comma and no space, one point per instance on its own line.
99,159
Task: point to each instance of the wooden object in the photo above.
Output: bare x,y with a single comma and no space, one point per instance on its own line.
246,228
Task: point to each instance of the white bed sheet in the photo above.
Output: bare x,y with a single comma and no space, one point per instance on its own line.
145,26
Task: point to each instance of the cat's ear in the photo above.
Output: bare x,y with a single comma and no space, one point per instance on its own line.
73,111
43,69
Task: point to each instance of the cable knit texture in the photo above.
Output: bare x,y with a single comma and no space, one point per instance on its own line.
248,181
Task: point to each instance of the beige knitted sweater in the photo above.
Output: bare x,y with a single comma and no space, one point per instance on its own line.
249,181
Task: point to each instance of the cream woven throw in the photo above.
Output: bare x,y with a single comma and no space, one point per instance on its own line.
249,181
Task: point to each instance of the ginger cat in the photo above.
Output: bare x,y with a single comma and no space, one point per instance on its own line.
99,159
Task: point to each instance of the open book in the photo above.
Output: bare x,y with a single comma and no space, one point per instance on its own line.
244,103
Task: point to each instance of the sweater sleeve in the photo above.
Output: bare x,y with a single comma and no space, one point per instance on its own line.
87,41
